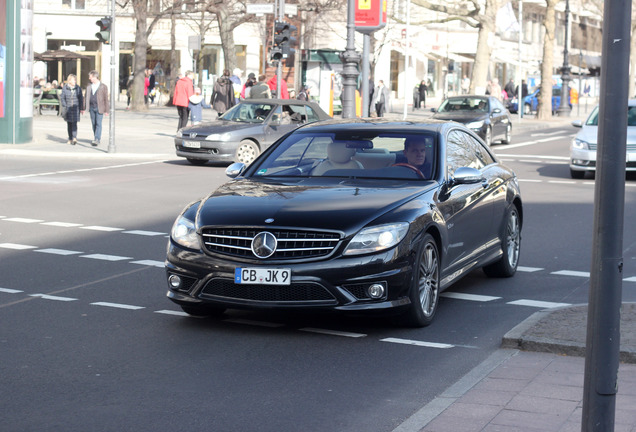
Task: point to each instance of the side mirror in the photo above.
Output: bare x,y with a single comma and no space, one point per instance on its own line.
235,169
577,123
466,175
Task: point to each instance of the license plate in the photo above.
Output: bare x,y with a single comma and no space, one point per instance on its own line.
192,144
262,276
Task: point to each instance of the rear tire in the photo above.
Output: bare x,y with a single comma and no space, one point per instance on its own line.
510,245
424,292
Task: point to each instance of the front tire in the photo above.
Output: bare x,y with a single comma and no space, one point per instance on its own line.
488,136
510,245
424,292
508,136
246,152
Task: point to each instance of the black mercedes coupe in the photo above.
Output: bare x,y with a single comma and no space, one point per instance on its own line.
349,215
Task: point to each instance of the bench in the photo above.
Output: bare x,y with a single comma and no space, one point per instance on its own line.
50,99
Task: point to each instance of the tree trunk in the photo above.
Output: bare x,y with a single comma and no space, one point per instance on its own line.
479,75
544,110
139,62
174,70
227,38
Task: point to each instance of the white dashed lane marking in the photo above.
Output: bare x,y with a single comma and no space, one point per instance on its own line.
56,298
58,251
118,305
469,297
172,312
571,273
145,233
417,343
529,269
62,224
16,246
106,257
150,263
332,332
23,220
101,228
538,304
10,291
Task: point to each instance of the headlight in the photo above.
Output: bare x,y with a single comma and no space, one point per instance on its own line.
218,137
184,233
580,144
475,124
377,238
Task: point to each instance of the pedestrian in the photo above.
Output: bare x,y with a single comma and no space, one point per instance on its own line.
465,85
423,89
237,83
196,105
260,90
303,94
247,87
284,93
146,85
223,94
495,88
97,101
182,92
72,101
129,89
152,82
380,98
416,97
510,88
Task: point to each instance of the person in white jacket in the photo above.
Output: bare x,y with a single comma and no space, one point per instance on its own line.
196,104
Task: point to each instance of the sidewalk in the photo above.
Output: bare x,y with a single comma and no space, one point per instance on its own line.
150,134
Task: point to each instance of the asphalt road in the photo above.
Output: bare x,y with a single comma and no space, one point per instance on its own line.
88,340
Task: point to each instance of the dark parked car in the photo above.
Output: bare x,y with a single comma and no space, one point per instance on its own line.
485,115
244,131
531,102
335,216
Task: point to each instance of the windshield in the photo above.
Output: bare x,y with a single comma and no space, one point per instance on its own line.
373,155
478,104
248,112
592,120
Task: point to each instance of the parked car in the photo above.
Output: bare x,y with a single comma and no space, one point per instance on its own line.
584,144
245,130
334,216
531,102
485,115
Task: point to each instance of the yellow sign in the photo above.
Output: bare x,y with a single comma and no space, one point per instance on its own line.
364,4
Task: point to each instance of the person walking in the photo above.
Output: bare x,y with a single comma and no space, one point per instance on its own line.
223,94
196,105
284,93
416,97
423,89
510,88
380,98
260,90
97,101
152,82
303,95
72,100
182,92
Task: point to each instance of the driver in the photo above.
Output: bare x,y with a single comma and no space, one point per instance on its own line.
415,154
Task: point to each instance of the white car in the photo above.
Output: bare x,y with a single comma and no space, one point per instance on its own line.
583,147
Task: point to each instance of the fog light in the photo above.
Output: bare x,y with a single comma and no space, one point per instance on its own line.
174,281
376,291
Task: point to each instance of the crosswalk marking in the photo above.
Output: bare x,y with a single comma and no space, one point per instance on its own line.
58,251
118,305
538,304
469,297
418,343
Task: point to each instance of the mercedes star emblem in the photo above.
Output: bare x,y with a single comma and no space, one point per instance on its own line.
264,244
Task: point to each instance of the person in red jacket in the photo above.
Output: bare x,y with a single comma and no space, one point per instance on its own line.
182,92
284,94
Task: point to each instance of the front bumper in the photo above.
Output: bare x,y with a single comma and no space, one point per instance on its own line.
221,151
331,284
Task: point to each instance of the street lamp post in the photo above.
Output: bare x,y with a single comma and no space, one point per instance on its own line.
564,107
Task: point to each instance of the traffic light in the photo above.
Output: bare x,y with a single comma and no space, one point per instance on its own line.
283,39
276,54
103,35
290,41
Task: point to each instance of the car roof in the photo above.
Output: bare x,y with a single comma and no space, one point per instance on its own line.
351,126
295,102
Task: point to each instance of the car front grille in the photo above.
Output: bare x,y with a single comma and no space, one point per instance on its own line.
291,244
301,292
631,148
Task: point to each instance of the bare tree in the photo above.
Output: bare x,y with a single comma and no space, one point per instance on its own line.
229,15
544,110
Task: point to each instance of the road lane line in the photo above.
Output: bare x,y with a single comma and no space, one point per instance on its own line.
517,156
630,279
10,291
417,343
562,181
528,269
117,305
62,224
16,246
332,332
172,312
571,273
538,304
469,297
145,233
58,251
106,257
101,228
50,297
151,263
23,220
558,132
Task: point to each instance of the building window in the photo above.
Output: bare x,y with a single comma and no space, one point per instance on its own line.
74,4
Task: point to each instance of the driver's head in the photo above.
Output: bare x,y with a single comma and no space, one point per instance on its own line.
415,151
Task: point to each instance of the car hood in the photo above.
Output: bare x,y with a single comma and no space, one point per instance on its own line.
589,134
460,116
339,205
218,126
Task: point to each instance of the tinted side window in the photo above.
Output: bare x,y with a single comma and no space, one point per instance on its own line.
311,115
481,153
458,153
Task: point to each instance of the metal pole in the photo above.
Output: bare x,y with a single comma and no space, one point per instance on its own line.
406,59
603,321
564,106
578,105
519,69
279,67
366,42
351,59
113,50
